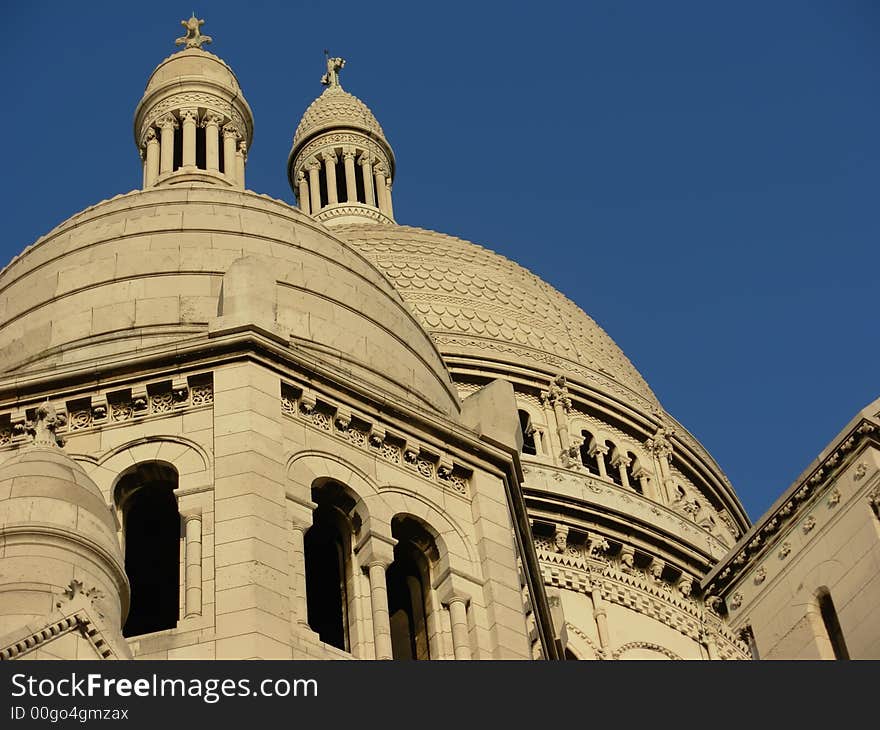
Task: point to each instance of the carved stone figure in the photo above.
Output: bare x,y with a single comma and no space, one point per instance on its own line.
193,37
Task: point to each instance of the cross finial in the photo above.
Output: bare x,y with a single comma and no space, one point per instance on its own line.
193,37
334,65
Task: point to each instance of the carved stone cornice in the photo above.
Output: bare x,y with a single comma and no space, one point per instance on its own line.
371,435
801,497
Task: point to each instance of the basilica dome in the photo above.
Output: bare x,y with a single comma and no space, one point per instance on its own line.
476,302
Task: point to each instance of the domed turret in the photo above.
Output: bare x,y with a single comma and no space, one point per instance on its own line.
193,123
341,166
56,529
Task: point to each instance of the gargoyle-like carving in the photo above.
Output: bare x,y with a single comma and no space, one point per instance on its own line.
42,428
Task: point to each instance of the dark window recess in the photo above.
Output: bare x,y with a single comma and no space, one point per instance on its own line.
201,159
528,433
220,156
326,598
340,180
322,186
590,462
151,525
178,148
359,183
832,625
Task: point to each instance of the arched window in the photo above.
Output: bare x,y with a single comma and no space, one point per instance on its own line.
633,469
151,527
409,582
327,546
589,457
528,433
832,624
613,467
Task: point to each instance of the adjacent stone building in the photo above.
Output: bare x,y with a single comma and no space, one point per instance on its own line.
235,428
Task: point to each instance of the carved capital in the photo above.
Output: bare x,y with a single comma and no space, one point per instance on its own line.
150,136
365,159
189,115
231,130
348,155
329,156
212,119
168,122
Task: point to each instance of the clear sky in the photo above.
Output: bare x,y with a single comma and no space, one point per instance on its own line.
701,178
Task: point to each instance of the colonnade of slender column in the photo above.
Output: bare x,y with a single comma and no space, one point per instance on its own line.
158,149
375,177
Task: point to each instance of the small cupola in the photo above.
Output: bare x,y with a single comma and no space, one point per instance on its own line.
341,166
193,123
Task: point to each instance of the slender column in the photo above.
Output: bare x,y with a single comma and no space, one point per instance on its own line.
212,141
152,166
367,169
240,159
193,558
230,136
711,645
303,196
330,174
167,125
143,154
621,463
298,573
648,487
189,118
598,452
314,185
601,615
379,603
350,183
458,618
381,193
388,197
552,445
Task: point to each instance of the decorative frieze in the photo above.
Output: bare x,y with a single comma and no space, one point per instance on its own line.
110,407
372,436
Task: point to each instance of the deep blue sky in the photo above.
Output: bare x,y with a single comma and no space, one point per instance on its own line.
702,179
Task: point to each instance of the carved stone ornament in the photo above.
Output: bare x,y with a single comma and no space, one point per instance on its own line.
193,37
809,523
861,470
736,601
334,66
685,585
42,428
784,551
760,575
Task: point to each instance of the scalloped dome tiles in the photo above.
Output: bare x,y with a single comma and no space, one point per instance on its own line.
468,296
336,108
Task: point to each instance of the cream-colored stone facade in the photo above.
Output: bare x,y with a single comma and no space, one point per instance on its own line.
235,428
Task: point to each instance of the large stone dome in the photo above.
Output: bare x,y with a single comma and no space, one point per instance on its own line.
476,302
144,271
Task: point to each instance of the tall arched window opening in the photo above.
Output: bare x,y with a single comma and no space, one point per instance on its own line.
832,624
408,581
589,457
633,471
152,531
614,470
327,546
528,433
